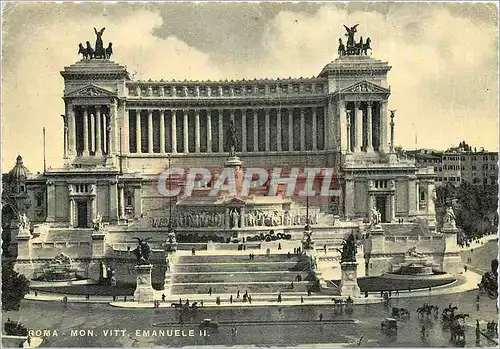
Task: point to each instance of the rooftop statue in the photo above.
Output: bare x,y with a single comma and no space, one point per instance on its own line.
352,47
99,51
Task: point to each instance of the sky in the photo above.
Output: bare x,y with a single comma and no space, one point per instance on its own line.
444,58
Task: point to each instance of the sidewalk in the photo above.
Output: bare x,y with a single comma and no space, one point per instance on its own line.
465,282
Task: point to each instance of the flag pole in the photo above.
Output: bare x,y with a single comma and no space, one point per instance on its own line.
44,156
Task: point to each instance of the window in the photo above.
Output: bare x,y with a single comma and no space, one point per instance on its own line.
422,196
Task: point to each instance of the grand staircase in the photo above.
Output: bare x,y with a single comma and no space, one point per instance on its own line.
230,271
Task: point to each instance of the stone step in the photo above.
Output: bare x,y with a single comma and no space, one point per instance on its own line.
249,266
273,276
254,287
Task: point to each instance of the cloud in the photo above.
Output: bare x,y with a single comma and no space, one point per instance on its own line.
443,81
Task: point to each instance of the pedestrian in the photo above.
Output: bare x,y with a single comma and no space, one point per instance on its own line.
193,251
279,245
125,298
29,341
114,298
217,300
231,299
465,268
301,299
320,316
201,302
238,294
366,294
244,247
288,254
308,291
36,293
88,296
279,298
210,291
250,299
163,297
291,285
324,247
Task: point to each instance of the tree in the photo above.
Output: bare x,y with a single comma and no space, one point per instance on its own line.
14,287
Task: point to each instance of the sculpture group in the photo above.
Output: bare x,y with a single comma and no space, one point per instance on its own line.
348,252
352,47
99,51
142,251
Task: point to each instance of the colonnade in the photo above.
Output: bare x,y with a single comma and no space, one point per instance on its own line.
205,130
364,126
88,130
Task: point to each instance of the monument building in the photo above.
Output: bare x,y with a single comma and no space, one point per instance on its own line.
120,134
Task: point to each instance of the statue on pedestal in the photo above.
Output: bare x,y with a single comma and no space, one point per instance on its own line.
376,217
142,251
449,218
349,248
97,222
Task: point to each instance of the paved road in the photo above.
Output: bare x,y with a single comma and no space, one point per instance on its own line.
271,326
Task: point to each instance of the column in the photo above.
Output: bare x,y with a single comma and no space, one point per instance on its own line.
65,135
114,211
92,133
186,130
98,148
221,132
314,129
71,212
105,133
344,132
209,130
358,139
417,184
197,131
162,131
150,131
121,191
173,131
125,129
302,130
383,127
85,132
255,130
278,130
113,127
393,207
138,131
290,129
348,126
71,129
243,130
267,128
369,138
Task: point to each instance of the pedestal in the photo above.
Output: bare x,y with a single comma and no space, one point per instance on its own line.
233,161
144,291
452,262
349,281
